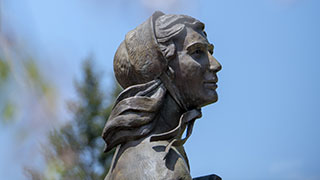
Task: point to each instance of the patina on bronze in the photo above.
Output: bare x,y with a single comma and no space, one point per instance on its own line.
167,70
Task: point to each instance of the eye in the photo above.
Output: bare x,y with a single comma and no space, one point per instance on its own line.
197,53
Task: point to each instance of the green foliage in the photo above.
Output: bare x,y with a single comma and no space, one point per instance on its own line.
77,147
35,77
7,108
8,111
4,71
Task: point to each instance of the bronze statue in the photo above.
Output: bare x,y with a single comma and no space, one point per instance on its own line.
168,73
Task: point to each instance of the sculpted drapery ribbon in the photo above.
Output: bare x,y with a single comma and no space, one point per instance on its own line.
135,113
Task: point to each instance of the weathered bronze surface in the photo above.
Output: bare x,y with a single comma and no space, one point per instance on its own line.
167,70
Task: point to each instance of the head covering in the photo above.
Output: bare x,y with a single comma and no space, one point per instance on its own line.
138,59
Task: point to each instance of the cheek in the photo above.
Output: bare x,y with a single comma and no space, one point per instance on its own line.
190,69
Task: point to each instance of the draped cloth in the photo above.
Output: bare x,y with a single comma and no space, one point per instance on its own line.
135,115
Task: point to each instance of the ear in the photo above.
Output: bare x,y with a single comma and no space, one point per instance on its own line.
168,49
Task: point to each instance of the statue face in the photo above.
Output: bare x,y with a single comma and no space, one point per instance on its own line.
195,69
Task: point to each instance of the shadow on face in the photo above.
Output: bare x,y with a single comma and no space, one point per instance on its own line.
195,69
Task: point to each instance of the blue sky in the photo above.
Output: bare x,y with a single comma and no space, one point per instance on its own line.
266,122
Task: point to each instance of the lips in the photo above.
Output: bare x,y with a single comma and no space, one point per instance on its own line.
212,84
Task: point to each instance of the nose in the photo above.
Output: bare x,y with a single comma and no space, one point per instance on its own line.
214,65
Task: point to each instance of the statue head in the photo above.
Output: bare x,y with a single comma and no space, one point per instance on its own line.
166,53
173,44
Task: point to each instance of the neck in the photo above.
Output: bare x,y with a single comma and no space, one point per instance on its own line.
169,115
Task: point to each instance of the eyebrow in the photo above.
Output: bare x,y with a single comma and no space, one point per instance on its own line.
207,46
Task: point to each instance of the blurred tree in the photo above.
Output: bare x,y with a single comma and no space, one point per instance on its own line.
76,150
6,106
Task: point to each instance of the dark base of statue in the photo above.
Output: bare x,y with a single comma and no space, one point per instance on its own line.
209,177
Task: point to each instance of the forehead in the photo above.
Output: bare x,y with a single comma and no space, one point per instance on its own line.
193,36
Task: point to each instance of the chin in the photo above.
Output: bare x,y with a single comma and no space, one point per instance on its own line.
209,99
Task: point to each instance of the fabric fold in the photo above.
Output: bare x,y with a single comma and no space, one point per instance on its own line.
133,114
